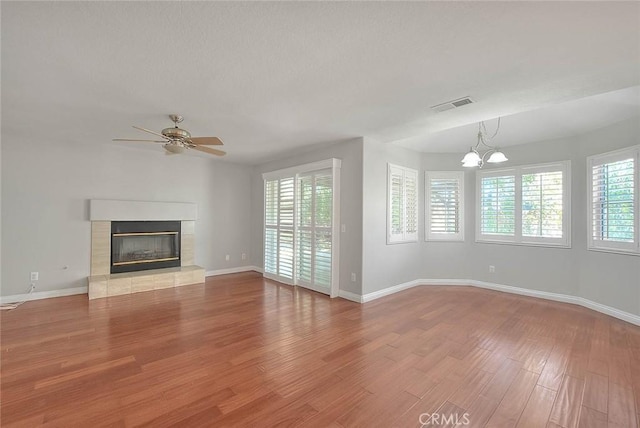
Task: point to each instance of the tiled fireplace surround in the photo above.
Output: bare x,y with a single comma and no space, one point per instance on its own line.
103,284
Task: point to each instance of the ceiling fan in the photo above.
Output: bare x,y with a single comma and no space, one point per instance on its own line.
177,140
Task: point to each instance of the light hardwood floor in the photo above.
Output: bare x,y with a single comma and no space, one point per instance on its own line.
244,351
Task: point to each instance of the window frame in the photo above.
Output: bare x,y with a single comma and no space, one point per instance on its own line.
517,238
444,237
405,237
618,247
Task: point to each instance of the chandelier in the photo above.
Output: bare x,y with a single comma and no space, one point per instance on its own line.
473,157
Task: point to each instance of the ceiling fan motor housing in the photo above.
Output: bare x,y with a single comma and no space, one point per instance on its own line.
176,133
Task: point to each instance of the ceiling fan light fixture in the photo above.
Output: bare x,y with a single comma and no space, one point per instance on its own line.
174,148
177,140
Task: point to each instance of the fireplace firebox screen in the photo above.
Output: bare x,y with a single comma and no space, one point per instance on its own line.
143,245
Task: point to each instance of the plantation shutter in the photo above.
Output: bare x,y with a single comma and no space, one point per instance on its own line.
444,205
411,204
300,241
285,222
613,207
315,224
402,212
528,205
542,204
497,205
271,226
279,216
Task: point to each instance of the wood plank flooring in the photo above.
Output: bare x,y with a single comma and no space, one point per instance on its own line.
244,351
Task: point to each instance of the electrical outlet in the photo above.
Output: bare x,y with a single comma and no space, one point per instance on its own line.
35,276
344,228
492,269
226,257
353,277
244,256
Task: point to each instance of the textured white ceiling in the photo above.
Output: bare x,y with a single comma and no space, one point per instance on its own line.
271,77
556,121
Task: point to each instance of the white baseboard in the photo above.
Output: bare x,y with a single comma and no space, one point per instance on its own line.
608,310
350,296
232,270
557,297
391,290
565,298
43,295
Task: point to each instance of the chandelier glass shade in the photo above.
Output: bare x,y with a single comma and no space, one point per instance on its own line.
492,154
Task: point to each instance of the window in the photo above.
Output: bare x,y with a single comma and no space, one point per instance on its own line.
527,205
301,213
444,200
402,210
613,201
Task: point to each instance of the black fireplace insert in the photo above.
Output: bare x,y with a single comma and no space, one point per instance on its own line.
144,245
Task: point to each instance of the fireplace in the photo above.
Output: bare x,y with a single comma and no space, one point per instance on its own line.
144,245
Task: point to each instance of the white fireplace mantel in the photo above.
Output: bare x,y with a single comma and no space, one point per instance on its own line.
114,210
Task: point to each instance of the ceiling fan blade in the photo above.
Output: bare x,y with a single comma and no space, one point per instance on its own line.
206,141
208,150
133,139
151,132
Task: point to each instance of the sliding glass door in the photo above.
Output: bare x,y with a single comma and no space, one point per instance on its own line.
300,245
314,230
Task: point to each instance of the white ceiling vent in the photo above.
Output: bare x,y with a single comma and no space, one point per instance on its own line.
452,104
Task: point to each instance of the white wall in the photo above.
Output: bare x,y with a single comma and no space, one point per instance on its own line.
386,265
46,187
389,265
350,152
448,260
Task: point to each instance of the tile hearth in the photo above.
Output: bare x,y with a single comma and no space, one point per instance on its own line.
104,284
135,282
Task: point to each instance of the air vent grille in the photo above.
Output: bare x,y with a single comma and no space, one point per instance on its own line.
462,102
452,104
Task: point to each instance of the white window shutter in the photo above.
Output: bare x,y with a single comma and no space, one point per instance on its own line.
542,204
614,201
271,226
497,205
402,208
301,208
444,205
314,230
396,214
527,205
411,205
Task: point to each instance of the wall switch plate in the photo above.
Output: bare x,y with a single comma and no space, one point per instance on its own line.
492,269
344,228
35,276
226,257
